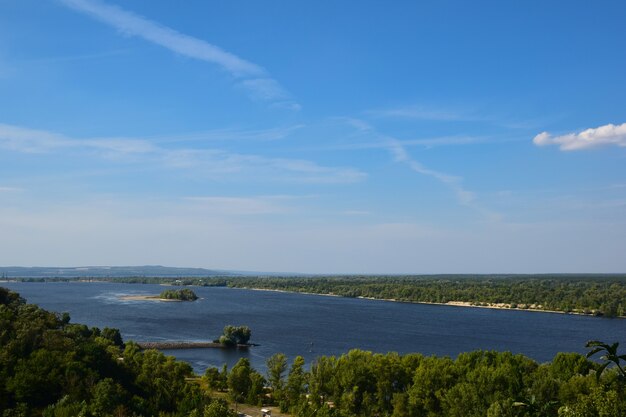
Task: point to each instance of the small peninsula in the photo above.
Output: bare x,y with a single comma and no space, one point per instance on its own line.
167,295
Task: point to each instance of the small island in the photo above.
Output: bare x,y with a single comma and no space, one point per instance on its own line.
235,336
180,295
167,295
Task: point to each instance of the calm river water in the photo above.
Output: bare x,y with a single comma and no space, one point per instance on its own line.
312,325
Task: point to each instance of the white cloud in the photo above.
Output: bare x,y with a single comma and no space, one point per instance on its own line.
213,163
256,79
606,135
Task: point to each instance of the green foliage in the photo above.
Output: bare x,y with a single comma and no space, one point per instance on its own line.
610,356
184,294
244,383
296,380
53,368
235,335
214,379
480,383
218,408
276,367
598,295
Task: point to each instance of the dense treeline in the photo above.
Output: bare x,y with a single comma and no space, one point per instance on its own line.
599,296
602,295
476,384
184,294
53,368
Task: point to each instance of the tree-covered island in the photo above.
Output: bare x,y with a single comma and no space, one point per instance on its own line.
167,295
233,336
184,294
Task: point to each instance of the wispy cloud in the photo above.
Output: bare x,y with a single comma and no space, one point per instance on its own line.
423,142
425,113
9,189
265,89
607,135
78,57
225,205
400,154
254,78
233,134
497,118
25,140
212,163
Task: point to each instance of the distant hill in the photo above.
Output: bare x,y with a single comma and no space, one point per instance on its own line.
109,272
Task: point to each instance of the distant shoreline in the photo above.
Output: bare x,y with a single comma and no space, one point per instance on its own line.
498,306
475,304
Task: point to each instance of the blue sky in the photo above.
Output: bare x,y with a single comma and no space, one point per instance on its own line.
323,137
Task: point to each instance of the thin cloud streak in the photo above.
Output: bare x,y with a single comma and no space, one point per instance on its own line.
425,143
213,163
254,78
423,113
131,24
400,154
260,135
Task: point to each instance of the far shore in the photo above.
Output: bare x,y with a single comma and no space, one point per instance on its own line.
477,304
494,306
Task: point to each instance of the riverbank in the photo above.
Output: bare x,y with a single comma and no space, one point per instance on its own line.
476,304
170,345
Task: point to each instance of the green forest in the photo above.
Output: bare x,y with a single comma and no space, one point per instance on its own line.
598,296
595,295
54,368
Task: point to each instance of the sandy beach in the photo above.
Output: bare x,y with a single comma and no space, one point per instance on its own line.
145,298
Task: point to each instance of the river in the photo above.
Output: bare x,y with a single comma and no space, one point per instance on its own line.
314,325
